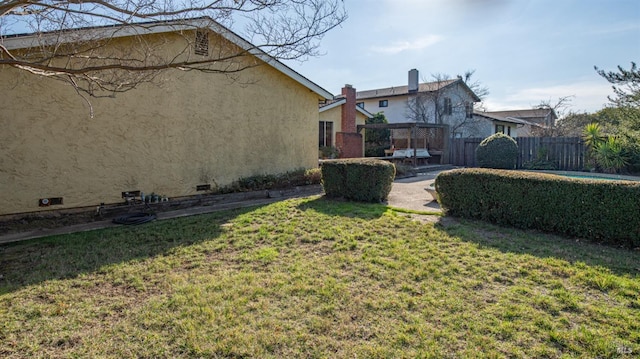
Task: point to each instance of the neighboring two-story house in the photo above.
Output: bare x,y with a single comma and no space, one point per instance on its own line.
447,102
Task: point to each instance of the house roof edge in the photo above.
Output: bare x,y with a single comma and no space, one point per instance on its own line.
20,41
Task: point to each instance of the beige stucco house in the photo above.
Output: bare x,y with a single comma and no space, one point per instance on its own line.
188,131
339,119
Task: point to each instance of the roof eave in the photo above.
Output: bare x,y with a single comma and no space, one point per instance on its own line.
33,40
364,112
332,105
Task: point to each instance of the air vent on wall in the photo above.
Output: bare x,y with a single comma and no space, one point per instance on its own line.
201,46
203,187
53,201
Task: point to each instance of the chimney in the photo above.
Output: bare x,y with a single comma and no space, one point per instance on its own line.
349,109
413,80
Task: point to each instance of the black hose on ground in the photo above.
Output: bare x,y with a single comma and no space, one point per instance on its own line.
134,218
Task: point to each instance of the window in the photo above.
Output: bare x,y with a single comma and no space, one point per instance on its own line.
201,46
360,104
326,134
503,129
383,103
468,107
448,106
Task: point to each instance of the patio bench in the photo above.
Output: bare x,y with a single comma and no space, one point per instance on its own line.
407,155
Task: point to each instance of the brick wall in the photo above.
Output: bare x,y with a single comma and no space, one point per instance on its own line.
349,144
349,109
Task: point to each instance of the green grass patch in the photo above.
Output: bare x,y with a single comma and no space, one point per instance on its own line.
317,278
414,211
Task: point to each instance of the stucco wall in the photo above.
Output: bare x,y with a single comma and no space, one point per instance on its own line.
395,112
192,128
332,115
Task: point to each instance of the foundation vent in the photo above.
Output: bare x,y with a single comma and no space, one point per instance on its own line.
203,187
52,201
130,194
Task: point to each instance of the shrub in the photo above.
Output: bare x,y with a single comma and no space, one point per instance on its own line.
610,156
591,209
497,151
365,180
541,162
328,152
403,170
295,178
632,151
374,150
312,176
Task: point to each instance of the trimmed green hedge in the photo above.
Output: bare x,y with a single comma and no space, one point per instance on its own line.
497,151
603,211
364,180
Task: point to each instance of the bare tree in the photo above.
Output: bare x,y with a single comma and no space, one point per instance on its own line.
425,105
76,41
559,109
476,86
443,101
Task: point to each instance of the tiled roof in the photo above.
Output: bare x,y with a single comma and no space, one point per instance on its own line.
524,114
339,101
403,90
524,117
492,116
331,102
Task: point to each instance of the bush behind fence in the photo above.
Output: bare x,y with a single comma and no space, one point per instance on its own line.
567,153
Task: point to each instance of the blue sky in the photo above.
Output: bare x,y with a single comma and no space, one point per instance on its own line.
524,51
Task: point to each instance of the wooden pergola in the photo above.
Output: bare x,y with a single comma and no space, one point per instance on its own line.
417,135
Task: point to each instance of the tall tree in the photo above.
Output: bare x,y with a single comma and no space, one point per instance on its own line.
573,124
624,113
626,85
376,139
283,29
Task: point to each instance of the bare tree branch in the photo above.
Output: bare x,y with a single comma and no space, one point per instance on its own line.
559,107
626,85
77,41
433,104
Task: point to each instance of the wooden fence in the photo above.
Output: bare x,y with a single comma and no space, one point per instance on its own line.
566,152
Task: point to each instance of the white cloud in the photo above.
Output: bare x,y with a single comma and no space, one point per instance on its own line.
587,96
416,44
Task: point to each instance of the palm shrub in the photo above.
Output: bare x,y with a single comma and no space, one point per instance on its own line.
610,155
605,152
592,137
497,151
